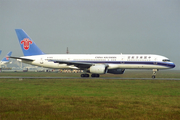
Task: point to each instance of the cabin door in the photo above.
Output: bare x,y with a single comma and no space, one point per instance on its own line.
41,61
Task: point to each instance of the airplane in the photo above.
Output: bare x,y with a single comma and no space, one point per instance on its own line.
6,59
0,51
94,64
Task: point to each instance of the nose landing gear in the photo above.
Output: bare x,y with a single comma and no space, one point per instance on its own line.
154,73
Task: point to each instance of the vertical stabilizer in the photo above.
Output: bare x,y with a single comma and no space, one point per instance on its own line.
28,46
6,59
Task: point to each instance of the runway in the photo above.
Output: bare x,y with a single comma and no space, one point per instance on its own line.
105,78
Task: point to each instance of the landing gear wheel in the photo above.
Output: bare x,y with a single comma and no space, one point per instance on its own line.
154,73
95,75
84,75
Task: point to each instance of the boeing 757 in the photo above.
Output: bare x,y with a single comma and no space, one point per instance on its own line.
6,59
94,64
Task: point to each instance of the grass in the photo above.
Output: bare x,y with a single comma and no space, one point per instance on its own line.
89,98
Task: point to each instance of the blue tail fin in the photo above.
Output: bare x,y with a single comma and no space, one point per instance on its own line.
27,44
6,59
0,51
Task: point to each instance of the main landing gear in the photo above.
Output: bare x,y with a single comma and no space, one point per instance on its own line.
87,75
84,75
154,73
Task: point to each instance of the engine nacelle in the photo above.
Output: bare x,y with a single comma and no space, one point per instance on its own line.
116,71
98,69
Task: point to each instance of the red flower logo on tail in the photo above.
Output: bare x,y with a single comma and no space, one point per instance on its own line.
7,57
26,42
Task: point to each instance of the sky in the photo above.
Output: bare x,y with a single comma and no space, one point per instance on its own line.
93,26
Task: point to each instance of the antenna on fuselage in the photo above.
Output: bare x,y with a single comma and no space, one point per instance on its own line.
67,52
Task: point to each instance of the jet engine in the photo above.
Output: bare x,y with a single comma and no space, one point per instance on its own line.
116,71
98,69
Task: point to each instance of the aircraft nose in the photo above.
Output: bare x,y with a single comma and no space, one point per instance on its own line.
173,65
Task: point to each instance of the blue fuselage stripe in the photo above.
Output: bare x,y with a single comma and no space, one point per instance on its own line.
165,64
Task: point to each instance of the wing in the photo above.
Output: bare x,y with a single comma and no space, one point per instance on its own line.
23,59
81,65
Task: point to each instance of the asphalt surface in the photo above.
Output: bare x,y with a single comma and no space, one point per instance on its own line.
106,78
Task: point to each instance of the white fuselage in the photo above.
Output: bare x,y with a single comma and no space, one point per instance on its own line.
4,62
114,61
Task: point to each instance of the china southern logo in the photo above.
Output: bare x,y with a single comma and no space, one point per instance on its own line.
26,42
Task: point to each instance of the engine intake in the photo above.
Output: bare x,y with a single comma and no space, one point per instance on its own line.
98,69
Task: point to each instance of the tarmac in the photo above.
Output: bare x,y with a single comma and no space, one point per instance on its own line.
105,78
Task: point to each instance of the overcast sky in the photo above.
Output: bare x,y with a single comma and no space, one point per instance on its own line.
93,26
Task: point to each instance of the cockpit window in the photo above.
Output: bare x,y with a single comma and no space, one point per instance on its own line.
166,60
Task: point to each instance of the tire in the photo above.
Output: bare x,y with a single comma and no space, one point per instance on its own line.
82,75
86,75
95,75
